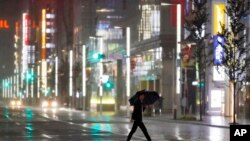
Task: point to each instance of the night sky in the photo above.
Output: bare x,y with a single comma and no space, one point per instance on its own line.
10,11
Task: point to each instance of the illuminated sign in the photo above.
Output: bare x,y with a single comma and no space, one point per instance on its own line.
43,52
217,98
4,24
103,25
25,41
218,18
218,73
26,29
218,50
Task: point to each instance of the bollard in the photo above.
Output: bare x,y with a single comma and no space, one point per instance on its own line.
175,112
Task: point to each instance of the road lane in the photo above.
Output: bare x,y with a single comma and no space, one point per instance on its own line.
35,124
29,124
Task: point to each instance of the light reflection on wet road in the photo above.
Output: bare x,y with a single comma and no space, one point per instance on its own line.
34,124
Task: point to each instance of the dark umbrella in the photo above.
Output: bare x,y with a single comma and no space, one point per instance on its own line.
149,97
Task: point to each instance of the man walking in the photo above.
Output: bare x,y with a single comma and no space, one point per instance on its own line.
137,118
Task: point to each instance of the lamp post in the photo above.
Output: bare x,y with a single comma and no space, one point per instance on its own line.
38,81
101,73
56,76
176,81
71,77
83,75
128,67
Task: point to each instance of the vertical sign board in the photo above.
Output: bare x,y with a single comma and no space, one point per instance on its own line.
218,50
218,20
218,17
43,54
25,40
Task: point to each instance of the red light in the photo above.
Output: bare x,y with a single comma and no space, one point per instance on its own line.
4,24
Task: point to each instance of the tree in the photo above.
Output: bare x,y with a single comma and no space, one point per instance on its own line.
234,47
195,23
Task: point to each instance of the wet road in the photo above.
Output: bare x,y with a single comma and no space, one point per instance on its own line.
33,124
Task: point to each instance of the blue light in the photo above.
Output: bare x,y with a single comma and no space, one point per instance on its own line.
218,50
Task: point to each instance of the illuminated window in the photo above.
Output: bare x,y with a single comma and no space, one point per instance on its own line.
218,73
150,21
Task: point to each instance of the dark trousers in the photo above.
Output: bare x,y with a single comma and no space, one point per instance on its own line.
143,128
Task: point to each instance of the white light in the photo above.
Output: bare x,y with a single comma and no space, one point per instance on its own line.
50,16
128,60
101,64
50,30
54,104
195,83
117,27
103,10
18,103
50,45
165,4
56,77
45,104
13,103
38,81
178,30
70,73
218,73
105,78
32,85
77,95
128,67
84,70
44,75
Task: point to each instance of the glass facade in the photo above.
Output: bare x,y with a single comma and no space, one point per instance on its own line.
150,21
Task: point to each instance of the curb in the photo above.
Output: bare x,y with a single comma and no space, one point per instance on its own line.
202,123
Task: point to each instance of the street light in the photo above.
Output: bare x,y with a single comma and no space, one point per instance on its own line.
177,56
83,75
128,67
101,73
56,76
71,76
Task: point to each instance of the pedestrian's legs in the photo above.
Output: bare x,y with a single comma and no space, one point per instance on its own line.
144,130
134,127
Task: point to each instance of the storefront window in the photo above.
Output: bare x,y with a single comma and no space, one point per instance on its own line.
150,21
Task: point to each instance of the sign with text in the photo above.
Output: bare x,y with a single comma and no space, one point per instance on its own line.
239,132
218,50
218,18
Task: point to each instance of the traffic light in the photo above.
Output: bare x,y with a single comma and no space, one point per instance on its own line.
108,85
96,57
29,76
6,84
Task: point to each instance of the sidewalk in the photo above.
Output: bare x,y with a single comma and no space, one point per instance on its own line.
213,121
208,120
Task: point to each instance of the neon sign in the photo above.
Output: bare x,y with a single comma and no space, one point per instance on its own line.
218,50
4,24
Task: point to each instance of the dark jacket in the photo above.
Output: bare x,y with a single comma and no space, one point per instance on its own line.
137,112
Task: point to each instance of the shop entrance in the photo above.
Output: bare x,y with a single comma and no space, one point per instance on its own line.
151,85
216,101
